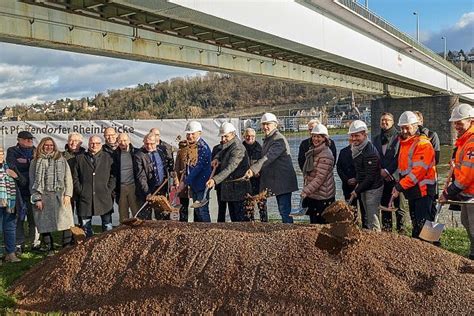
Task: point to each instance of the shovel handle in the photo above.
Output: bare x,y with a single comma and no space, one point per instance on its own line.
154,193
213,172
351,199
390,202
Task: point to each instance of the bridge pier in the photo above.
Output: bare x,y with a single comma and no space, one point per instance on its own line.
436,112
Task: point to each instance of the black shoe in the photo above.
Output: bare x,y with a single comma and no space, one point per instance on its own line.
38,249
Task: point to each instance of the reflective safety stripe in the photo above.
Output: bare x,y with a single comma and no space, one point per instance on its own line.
422,164
459,185
413,177
470,140
427,181
405,172
467,164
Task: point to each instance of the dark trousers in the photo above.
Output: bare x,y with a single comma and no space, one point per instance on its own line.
316,208
221,207
236,211
387,217
420,211
183,210
347,196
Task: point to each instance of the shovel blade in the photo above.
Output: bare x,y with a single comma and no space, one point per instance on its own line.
199,204
299,211
431,231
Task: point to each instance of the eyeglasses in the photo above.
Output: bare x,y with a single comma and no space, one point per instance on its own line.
95,143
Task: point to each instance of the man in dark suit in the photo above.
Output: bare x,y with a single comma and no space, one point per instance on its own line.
150,172
94,183
387,143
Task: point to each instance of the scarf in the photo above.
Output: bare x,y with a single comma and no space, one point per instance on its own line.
48,174
386,135
357,150
309,157
7,190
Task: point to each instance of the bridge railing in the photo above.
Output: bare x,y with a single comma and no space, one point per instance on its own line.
371,16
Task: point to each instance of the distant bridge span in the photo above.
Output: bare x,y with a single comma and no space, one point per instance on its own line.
332,43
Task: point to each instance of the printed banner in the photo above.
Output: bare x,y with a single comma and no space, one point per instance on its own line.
137,129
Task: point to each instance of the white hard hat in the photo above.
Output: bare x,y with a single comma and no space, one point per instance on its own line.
357,126
269,117
408,118
461,112
320,129
226,128
192,127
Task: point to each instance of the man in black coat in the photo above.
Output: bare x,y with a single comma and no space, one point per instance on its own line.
166,148
347,174
150,172
19,157
306,144
94,183
110,136
367,165
387,143
125,189
254,151
234,162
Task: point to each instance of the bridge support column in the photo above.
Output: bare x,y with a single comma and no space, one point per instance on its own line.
436,112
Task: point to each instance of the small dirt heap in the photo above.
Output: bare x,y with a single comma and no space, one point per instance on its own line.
171,267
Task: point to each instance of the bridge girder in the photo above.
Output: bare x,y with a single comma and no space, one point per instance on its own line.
110,29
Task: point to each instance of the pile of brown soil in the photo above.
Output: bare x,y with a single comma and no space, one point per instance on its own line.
172,267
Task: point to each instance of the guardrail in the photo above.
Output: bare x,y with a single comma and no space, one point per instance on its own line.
371,16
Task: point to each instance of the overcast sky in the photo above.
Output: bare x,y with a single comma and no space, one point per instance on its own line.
29,74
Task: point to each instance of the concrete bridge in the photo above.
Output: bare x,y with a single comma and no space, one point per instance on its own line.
332,43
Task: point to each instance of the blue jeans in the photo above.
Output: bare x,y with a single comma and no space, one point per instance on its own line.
201,214
8,228
284,207
87,223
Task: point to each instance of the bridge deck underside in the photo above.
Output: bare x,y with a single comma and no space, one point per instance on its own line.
150,21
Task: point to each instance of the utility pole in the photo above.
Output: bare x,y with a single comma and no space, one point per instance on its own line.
445,52
417,26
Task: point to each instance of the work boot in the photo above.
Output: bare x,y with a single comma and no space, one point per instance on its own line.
11,257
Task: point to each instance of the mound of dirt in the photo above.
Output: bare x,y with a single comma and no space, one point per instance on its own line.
171,267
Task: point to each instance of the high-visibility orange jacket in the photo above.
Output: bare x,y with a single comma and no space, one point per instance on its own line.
463,173
416,164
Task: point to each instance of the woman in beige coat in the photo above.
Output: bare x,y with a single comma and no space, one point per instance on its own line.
319,189
51,191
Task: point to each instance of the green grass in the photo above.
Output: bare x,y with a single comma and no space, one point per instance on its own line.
453,239
9,272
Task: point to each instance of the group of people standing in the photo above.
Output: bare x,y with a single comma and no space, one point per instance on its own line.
396,161
44,184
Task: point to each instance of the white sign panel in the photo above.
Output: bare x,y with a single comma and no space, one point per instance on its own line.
136,129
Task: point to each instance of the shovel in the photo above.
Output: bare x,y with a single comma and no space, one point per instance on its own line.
390,207
431,231
205,200
300,211
134,221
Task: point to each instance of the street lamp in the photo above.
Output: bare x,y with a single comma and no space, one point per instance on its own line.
417,26
444,38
